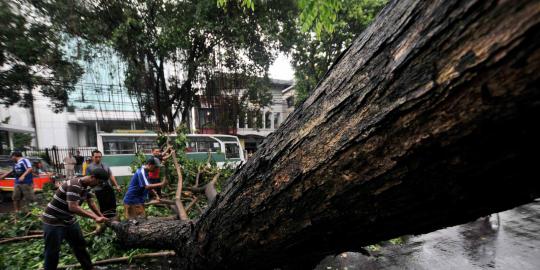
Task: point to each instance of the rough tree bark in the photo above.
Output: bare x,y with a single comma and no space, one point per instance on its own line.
426,121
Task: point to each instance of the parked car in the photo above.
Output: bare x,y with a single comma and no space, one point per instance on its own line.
41,177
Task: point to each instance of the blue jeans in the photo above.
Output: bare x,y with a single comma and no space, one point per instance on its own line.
53,241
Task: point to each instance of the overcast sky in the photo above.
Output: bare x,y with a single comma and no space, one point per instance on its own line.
282,69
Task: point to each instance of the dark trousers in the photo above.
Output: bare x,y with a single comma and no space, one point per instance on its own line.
53,241
107,201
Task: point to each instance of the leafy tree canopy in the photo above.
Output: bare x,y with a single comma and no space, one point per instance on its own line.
31,56
173,48
325,29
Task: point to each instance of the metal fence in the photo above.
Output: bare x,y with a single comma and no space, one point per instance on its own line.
55,156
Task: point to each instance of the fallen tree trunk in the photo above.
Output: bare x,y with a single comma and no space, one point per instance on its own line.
426,121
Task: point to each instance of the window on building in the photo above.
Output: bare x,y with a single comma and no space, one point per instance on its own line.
110,126
232,150
276,120
242,119
206,118
259,119
267,120
290,102
250,117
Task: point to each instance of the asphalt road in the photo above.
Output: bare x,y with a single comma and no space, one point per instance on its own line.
508,240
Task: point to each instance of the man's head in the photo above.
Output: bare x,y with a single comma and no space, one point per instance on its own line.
96,156
69,154
97,176
156,152
78,153
151,164
16,155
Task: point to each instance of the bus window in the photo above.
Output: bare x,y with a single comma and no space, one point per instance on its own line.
118,145
145,144
232,150
207,146
191,146
203,144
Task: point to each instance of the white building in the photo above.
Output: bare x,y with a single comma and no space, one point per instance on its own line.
14,120
78,126
252,126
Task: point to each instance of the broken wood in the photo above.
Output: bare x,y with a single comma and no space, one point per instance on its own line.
426,121
123,259
20,238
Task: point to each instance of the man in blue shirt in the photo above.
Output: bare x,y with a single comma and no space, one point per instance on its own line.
23,186
138,189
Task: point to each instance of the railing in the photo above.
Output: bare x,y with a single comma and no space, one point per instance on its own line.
55,156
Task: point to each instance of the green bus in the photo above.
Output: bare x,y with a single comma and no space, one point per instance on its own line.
119,149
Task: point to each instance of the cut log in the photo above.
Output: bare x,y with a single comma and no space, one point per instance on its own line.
427,120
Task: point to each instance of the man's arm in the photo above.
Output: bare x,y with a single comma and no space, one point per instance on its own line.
25,173
76,209
152,186
113,180
5,174
93,207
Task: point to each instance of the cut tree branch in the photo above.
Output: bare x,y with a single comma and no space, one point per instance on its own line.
123,259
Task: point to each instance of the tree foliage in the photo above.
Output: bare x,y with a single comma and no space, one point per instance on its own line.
173,48
21,140
31,56
325,28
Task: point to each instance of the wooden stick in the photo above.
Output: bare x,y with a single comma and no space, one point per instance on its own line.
192,203
161,201
182,214
124,259
210,189
20,238
198,175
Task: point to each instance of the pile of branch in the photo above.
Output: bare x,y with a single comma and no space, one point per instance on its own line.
208,189
124,259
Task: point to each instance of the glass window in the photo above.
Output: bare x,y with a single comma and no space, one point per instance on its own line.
202,144
241,119
290,102
226,139
118,145
232,150
267,120
276,120
145,144
259,121
206,118
250,122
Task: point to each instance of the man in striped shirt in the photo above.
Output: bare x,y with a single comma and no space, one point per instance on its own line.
59,220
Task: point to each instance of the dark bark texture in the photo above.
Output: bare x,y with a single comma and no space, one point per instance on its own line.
428,120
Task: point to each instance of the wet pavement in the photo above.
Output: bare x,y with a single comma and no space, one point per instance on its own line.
508,240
